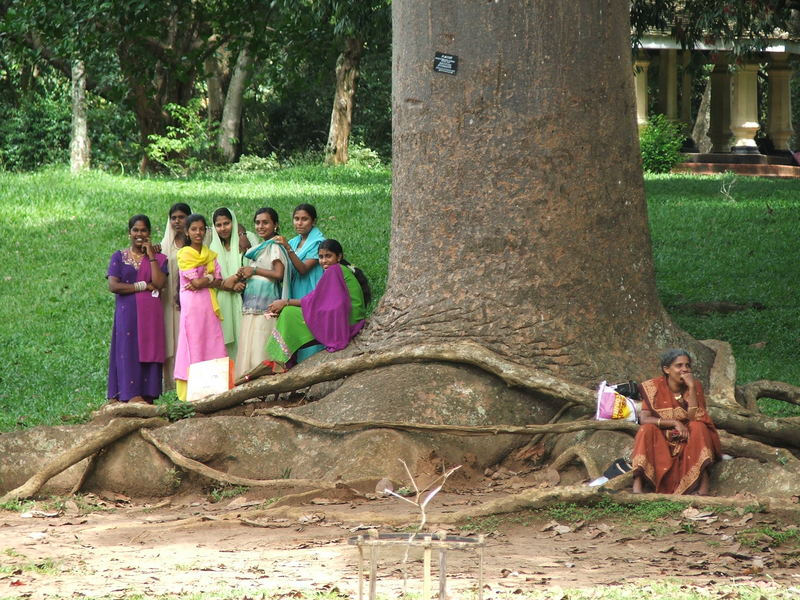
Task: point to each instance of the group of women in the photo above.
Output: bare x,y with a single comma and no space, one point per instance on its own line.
215,290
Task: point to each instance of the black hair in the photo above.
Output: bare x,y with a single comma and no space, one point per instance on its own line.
335,247
194,218
180,206
273,214
309,208
670,355
144,218
221,212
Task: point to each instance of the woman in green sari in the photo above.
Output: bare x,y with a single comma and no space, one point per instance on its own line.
226,243
331,315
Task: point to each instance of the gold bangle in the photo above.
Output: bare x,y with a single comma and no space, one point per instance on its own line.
659,424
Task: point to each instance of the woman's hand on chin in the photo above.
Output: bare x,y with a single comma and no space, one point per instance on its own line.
688,380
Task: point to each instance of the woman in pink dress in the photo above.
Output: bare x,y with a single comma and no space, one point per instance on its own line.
200,336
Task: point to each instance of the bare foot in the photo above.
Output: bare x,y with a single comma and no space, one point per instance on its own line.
137,400
637,484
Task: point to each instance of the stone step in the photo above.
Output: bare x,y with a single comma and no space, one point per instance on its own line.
700,168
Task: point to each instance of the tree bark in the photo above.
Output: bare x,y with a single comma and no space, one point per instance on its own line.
218,76
518,215
336,149
80,144
229,141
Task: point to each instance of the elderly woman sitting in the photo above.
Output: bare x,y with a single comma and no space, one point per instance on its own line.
677,440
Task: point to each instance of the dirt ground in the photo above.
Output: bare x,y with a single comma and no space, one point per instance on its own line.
113,547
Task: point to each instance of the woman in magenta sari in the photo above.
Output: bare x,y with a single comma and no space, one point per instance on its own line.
135,276
331,315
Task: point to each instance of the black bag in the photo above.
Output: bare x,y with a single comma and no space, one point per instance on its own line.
617,468
629,389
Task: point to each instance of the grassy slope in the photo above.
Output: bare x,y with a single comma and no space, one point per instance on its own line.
709,248
59,232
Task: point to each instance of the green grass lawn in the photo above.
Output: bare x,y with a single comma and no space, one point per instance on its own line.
711,248
58,233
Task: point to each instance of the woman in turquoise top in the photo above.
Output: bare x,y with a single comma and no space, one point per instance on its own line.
303,251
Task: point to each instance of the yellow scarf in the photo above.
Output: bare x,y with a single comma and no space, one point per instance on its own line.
189,258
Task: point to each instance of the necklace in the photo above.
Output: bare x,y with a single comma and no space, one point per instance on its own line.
130,257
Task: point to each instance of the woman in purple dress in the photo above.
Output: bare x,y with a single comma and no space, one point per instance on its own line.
135,276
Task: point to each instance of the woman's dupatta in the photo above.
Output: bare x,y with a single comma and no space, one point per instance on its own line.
149,316
310,248
326,311
229,261
189,258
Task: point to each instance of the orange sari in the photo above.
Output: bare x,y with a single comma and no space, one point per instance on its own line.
673,466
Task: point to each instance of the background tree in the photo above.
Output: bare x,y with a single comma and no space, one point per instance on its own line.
356,26
745,24
160,48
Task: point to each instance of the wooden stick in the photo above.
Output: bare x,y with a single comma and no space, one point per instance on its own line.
115,430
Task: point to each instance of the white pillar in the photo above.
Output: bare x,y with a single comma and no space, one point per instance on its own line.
668,84
719,131
779,101
640,78
744,108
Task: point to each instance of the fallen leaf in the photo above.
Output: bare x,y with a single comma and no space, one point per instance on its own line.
562,529
311,518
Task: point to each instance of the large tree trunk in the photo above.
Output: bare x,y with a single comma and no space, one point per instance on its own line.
80,145
342,114
229,141
519,217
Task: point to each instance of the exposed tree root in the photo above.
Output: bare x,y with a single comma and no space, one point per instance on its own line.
737,445
301,377
86,472
722,307
110,433
341,491
780,431
198,467
536,498
748,394
581,452
465,430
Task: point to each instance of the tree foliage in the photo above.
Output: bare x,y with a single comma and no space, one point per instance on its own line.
744,25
